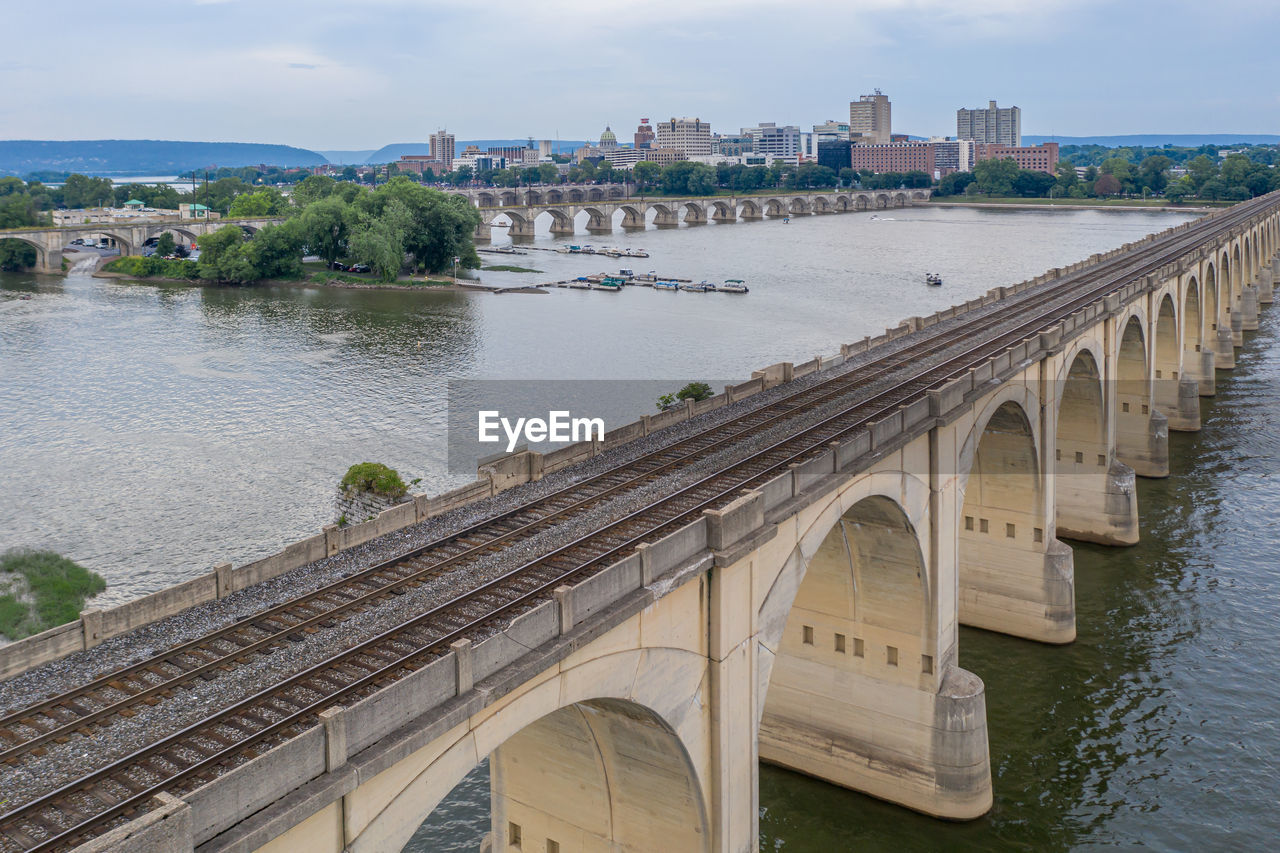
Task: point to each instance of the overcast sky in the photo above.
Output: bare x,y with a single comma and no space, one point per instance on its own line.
363,73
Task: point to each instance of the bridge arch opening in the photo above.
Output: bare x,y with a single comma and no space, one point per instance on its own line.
597,775
774,207
18,254
1014,576
1237,274
1192,333
1137,444
856,634
1211,303
862,203
900,200
1167,361
1086,478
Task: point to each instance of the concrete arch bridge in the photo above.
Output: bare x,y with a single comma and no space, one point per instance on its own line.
523,208
50,242
800,605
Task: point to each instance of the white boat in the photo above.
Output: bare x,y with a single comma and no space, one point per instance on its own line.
700,287
666,285
635,253
734,285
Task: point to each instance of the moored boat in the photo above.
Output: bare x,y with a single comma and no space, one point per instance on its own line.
734,285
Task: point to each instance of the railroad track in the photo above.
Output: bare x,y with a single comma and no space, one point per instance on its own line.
187,758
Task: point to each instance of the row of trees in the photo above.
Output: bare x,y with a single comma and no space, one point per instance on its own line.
1236,178
399,226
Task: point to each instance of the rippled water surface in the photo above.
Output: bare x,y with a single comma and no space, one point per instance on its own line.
150,432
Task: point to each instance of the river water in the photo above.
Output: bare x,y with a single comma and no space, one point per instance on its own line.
152,431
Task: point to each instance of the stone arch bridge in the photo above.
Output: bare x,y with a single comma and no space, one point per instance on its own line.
810,620
600,203
129,237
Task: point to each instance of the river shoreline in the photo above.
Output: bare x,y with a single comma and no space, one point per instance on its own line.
1031,204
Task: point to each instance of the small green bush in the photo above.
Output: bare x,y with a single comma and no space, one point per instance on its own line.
376,478
57,587
154,266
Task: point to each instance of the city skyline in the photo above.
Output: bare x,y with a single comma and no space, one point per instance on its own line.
294,74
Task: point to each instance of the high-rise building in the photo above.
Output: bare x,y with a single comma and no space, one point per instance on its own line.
442,148
689,135
835,154
1001,126
768,138
644,134
870,119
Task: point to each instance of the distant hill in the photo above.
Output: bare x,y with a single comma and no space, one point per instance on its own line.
346,158
1154,140
393,152
142,156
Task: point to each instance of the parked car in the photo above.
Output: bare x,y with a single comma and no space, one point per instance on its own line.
358,268
79,241
337,265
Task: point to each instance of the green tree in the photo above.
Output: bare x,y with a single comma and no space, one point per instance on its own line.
955,183
1065,176
165,244
1033,184
1154,172
646,173
82,191
548,173
224,257
16,255
312,189
276,251
264,202
324,226
349,173
995,177
1200,170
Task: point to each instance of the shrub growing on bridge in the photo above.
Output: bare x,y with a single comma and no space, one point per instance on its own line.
374,477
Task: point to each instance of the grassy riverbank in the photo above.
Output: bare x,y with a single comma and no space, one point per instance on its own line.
40,589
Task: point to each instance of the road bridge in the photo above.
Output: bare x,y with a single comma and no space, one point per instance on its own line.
780,580
563,204
50,242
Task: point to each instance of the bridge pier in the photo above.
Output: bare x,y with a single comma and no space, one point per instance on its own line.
1224,352
1184,414
1237,326
923,747
1017,590
521,228
1249,308
483,233
1206,383
1266,278
600,225
633,217
1096,505
1142,441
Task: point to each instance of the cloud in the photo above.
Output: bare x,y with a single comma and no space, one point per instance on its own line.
306,65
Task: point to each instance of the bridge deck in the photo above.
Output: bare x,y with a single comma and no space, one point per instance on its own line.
199,708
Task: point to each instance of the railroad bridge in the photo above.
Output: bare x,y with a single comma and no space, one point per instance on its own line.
563,204
781,580
50,242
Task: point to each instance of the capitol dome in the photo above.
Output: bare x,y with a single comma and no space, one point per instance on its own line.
608,139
